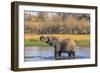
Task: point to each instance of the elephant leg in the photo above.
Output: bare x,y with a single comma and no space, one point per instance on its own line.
73,54
69,54
59,54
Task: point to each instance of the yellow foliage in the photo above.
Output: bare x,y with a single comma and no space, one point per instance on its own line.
74,37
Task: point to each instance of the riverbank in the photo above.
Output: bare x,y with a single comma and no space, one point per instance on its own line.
33,39
83,43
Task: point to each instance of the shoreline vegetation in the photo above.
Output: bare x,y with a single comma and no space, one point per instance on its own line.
75,26
81,40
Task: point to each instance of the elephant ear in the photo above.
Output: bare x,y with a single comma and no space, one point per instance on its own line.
54,38
68,39
49,38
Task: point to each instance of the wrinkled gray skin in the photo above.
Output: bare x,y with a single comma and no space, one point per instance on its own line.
61,45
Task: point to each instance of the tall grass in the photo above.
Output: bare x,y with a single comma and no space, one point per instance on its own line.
74,37
33,39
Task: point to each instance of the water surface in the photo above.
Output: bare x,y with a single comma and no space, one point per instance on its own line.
47,53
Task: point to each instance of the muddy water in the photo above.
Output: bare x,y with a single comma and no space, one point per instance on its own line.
47,53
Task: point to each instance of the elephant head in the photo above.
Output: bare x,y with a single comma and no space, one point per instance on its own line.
52,41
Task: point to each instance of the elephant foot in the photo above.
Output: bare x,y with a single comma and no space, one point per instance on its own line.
57,58
71,57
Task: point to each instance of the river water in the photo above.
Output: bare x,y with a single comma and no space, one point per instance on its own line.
47,53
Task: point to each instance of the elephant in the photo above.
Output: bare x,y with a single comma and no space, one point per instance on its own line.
61,45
